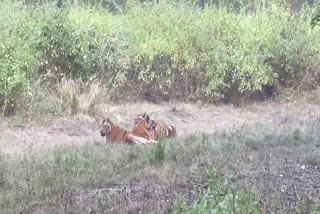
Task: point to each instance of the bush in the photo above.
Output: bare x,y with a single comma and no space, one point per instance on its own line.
315,19
160,51
62,54
230,54
18,59
221,198
188,54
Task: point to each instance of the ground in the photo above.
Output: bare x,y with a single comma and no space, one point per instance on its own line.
279,157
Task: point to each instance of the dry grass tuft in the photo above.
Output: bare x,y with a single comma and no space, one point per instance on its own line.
69,98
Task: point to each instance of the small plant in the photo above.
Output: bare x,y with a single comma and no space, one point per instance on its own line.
315,20
67,97
156,154
87,101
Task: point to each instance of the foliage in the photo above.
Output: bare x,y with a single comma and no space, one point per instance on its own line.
160,51
222,198
315,19
187,54
156,154
18,59
59,45
230,54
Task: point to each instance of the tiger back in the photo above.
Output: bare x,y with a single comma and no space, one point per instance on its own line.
117,134
161,130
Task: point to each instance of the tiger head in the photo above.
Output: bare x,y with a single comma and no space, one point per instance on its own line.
139,118
105,127
146,121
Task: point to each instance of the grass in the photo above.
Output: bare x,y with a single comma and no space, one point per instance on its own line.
156,154
231,172
68,98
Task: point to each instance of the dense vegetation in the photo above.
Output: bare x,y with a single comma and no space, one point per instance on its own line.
161,51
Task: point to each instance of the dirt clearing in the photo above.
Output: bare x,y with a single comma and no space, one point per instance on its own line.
188,118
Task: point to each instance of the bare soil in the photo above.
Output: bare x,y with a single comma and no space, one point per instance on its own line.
294,176
188,118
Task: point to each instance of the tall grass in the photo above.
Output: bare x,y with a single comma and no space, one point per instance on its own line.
156,154
69,98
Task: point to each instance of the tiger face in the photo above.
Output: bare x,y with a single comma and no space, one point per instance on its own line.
139,118
153,125
105,127
149,124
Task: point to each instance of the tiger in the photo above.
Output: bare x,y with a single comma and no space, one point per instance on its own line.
115,134
161,129
145,128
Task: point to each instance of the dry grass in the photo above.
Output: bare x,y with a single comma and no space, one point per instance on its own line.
69,98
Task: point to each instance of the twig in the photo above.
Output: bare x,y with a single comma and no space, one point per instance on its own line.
296,192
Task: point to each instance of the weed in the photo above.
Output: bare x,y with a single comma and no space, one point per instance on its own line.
156,153
222,198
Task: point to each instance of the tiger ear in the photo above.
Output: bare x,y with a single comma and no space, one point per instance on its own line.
154,124
147,118
144,115
108,120
171,128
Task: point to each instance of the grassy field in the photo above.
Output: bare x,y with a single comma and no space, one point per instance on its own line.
253,166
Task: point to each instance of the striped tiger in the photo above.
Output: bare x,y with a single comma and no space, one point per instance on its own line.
144,128
115,134
161,130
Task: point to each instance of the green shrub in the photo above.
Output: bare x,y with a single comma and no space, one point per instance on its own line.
315,19
35,44
156,154
61,47
160,51
18,59
221,198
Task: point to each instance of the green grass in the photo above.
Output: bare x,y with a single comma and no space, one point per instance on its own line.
156,154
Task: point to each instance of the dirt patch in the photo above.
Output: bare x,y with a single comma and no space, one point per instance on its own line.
78,130
188,118
123,198
281,179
